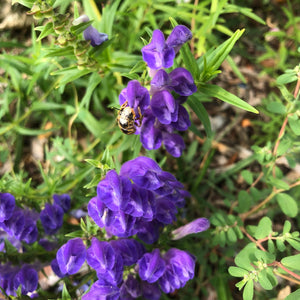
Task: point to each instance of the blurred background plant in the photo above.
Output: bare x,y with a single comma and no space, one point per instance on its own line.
58,131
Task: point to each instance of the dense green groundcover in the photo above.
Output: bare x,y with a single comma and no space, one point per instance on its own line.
220,128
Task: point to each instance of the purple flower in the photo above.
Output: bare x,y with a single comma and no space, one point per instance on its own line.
15,224
64,201
29,232
179,35
71,256
179,80
148,232
150,291
136,95
48,245
56,269
157,54
100,290
52,218
130,250
7,206
27,277
93,35
179,268
174,143
151,266
195,226
130,289
114,190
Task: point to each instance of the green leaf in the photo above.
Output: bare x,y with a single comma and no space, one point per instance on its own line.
276,108
294,243
292,262
32,132
294,123
293,296
264,228
190,61
284,146
65,293
278,183
74,234
245,257
53,52
231,235
248,176
210,63
287,204
237,272
198,108
286,227
280,244
264,280
286,78
94,81
220,93
45,30
27,3
248,290
77,29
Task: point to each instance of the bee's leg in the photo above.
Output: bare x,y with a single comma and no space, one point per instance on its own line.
124,104
140,117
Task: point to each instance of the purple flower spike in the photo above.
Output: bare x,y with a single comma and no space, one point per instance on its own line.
157,54
27,277
52,218
151,266
180,267
195,226
71,256
182,82
64,201
114,190
136,96
7,206
179,35
102,291
93,35
164,107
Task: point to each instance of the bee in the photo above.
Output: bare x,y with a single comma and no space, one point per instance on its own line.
127,119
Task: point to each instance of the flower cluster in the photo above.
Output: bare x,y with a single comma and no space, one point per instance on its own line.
140,200
11,277
168,92
19,225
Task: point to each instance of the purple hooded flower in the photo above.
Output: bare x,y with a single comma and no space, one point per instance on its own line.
52,218
64,201
179,35
15,224
148,232
27,277
157,54
166,210
180,267
151,266
71,256
130,250
131,288
29,232
114,190
93,35
7,206
136,96
198,225
101,290
174,143
56,269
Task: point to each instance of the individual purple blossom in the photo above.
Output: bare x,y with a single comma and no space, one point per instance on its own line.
107,263
179,35
64,201
71,256
157,54
129,249
198,225
151,266
91,33
27,277
150,291
7,205
52,218
130,288
56,269
179,268
101,290
136,96
149,231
